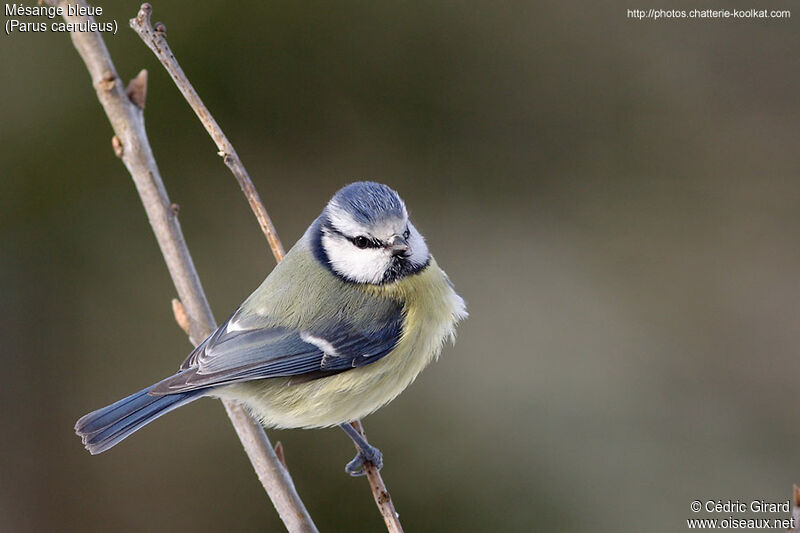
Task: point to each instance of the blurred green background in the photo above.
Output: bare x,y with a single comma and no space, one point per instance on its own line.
617,201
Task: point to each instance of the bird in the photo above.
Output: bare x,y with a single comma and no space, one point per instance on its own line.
340,327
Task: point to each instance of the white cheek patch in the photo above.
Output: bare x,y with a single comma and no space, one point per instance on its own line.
417,246
366,265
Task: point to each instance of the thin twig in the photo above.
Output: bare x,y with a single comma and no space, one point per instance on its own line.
131,144
156,39
379,491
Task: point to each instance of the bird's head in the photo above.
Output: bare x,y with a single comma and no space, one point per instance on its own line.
364,235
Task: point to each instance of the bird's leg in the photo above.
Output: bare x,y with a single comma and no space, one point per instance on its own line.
366,453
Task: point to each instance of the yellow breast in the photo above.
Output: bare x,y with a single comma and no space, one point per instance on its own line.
432,308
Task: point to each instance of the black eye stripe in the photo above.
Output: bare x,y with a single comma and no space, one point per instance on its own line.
364,242
407,233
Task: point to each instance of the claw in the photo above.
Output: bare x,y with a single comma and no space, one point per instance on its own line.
371,455
355,467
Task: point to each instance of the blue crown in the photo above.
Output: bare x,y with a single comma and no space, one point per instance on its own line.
369,202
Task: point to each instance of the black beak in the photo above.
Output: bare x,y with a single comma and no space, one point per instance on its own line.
398,245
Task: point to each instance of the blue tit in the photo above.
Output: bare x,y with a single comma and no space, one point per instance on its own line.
349,318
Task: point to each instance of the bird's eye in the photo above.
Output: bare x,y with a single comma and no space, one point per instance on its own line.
407,233
361,241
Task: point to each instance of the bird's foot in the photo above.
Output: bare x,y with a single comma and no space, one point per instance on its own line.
368,454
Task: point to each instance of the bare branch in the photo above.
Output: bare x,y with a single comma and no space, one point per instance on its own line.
131,144
379,491
156,40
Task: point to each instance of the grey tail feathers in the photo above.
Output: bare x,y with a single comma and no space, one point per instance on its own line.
104,428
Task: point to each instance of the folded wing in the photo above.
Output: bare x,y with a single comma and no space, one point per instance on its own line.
244,349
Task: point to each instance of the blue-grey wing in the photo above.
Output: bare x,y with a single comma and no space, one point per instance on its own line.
246,349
